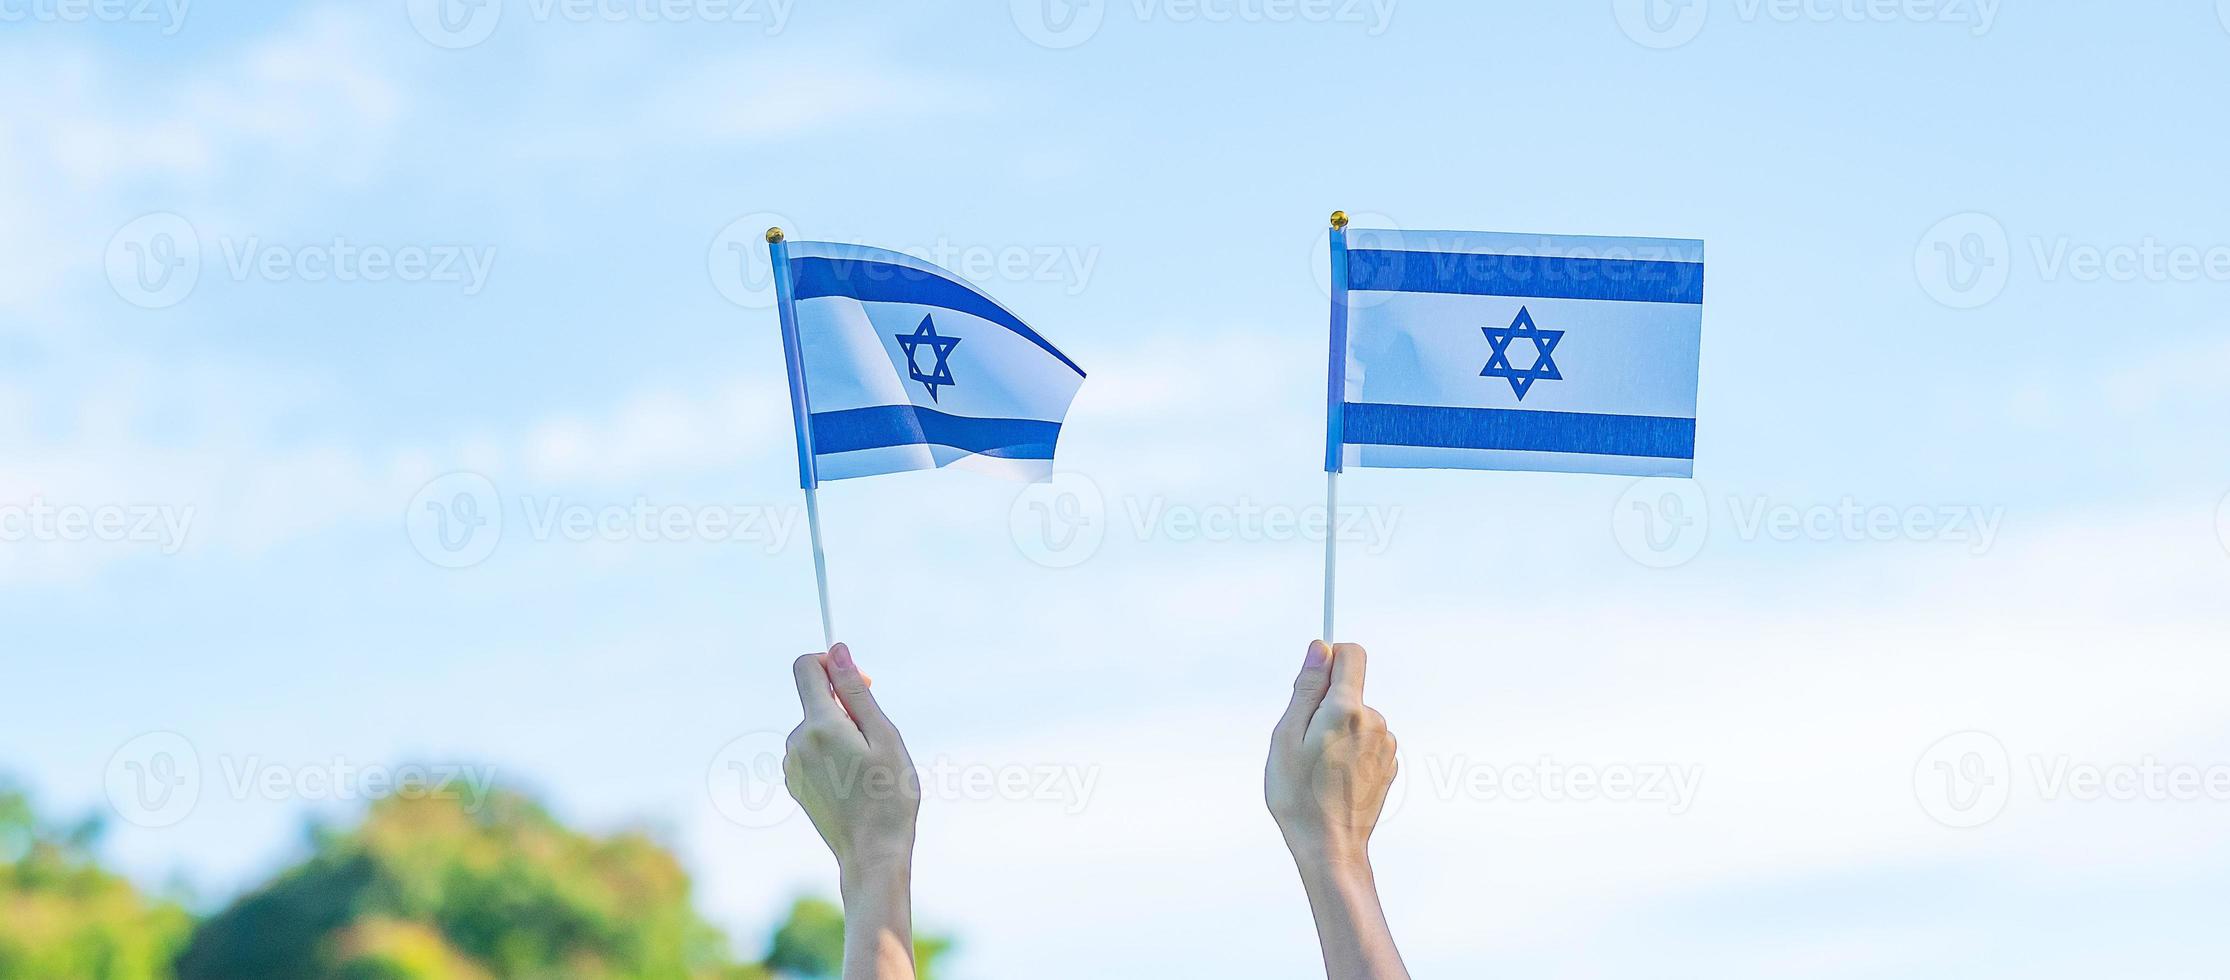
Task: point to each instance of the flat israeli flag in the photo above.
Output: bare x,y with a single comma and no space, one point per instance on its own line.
1488,351
896,364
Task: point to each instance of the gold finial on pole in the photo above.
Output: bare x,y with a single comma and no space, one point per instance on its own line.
774,235
1339,220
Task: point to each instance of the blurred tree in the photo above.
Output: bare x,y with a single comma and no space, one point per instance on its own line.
453,888
811,944
426,888
63,918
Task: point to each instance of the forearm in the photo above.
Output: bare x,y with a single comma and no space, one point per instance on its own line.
1350,924
879,920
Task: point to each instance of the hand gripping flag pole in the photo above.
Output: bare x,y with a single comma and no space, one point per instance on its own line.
801,411
1335,386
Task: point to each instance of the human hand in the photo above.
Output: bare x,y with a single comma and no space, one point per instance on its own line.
1331,762
848,768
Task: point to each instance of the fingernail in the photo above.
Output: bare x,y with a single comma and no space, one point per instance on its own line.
842,656
1317,655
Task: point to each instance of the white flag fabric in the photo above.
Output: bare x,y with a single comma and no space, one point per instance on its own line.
906,366
1478,350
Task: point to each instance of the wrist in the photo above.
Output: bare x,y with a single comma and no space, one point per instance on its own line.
1325,854
877,866
1334,869
1338,883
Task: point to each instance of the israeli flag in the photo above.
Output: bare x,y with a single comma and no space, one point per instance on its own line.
896,364
1488,351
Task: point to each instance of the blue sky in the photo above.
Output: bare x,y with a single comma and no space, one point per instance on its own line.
1935,495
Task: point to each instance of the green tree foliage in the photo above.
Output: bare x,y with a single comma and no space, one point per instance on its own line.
425,888
446,888
811,944
63,918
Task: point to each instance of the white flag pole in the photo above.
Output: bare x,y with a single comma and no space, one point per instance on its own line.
801,412
1335,387
820,566
1331,546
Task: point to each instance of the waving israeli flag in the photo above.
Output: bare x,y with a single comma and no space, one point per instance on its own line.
1476,350
896,364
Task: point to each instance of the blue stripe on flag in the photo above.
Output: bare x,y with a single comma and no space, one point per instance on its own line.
1372,424
906,425
1542,276
815,276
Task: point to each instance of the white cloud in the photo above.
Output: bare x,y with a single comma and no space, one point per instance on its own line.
1805,710
319,101
754,99
657,433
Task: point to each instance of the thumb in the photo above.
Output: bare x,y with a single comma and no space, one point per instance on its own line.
1308,691
852,689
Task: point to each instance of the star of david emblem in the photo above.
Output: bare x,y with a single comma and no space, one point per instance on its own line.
941,347
1544,346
